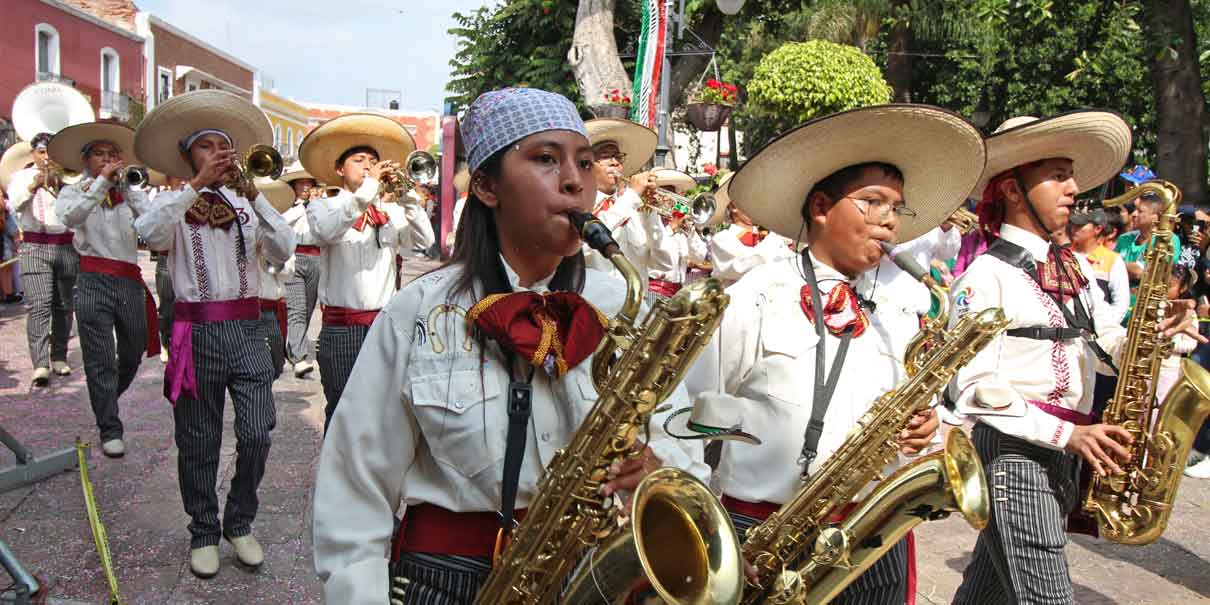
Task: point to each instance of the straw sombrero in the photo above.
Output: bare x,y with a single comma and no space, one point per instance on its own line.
296,172
320,150
155,178
160,134
67,146
671,177
722,200
940,154
15,159
635,140
279,194
1096,141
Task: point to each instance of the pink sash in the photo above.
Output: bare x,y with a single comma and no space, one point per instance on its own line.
180,377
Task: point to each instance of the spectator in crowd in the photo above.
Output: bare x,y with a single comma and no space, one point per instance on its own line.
9,235
1087,237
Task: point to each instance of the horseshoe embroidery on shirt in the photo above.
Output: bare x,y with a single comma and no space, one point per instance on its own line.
435,338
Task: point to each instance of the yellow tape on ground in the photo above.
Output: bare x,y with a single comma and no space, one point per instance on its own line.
98,530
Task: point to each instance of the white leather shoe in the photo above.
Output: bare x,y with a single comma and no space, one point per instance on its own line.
248,550
61,368
41,377
1201,470
302,368
203,562
114,448
164,354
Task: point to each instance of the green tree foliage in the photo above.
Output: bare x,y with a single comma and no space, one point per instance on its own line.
804,80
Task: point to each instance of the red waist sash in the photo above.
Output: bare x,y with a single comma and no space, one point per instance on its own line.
53,239
344,316
307,250
1063,413
428,528
180,377
117,268
663,288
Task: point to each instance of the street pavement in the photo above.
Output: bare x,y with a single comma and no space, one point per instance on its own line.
46,526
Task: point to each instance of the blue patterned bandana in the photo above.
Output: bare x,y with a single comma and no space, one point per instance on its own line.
500,118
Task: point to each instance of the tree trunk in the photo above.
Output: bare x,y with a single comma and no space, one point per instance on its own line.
1180,147
898,61
594,53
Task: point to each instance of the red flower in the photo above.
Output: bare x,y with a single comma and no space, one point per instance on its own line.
710,169
713,83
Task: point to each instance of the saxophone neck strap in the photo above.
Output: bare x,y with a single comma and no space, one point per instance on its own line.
823,389
520,405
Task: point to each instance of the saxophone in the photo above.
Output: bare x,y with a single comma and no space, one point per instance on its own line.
1133,507
831,555
679,537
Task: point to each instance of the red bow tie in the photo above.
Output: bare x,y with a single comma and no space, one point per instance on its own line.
752,238
1048,275
373,216
113,198
606,204
841,310
554,331
211,209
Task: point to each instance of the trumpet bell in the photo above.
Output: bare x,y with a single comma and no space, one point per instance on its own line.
136,176
703,208
421,168
264,162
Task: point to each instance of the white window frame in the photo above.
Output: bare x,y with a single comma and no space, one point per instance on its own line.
162,95
191,86
117,70
277,137
52,53
289,141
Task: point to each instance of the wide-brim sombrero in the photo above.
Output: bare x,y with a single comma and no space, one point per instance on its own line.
671,177
160,134
940,155
722,200
1097,142
635,140
15,159
294,172
155,178
321,148
280,195
67,146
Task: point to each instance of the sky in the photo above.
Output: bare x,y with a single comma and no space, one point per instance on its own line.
331,51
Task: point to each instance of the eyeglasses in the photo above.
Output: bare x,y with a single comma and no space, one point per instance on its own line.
605,157
879,208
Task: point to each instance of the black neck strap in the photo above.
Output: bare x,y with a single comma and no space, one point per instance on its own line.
823,390
520,405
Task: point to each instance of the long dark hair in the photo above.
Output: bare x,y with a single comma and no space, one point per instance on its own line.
477,247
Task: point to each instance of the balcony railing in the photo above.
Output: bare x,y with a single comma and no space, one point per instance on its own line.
116,104
46,76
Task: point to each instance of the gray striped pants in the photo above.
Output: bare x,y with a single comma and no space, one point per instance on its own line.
1019,555
884,583
440,579
107,306
50,275
167,297
268,320
302,291
228,356
338,348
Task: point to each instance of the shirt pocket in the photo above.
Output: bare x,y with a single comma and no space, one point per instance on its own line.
455,410
787,341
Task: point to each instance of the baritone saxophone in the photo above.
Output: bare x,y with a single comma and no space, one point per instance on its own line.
679,538
1133,507
800,553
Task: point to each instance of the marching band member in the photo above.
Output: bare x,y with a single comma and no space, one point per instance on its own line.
423,422
163,283
359,235
113,301
274,313
673,245
302,285
620,148
844,182
1031,389
49,264
742,246
215,238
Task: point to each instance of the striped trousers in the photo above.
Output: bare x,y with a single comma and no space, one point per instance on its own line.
166,296
884,583
302,292
273,337
229,356
50,275
1019,555
338,348
440,579
109,307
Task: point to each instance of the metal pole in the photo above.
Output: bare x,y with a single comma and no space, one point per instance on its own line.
25,585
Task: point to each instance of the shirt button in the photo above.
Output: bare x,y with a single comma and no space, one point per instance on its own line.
545,436
457,405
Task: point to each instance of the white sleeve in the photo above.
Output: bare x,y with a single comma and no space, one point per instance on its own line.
274,234
366,454
74,204
729,256
1119,287
158,226
19,195
336,215
417,232
697,247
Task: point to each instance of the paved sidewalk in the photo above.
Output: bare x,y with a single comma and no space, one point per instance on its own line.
46,526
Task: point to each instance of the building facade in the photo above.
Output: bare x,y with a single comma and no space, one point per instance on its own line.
425,127
289,120
177,62
52,40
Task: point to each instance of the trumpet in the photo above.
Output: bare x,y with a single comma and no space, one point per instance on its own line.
261,161
666,203
135,176
419,171
965,220
57,176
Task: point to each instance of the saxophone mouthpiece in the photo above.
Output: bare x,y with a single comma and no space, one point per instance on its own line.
905,262
593,232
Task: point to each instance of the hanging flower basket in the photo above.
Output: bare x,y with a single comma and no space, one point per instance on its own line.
708,117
